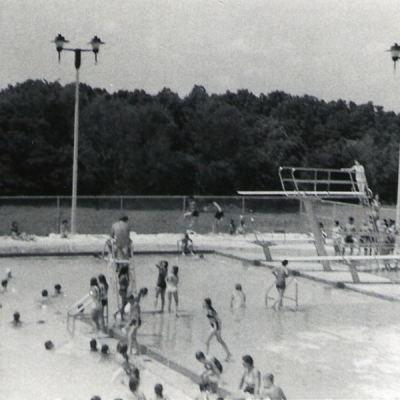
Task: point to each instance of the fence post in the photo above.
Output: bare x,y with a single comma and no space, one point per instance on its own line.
121,204
58,215
243,206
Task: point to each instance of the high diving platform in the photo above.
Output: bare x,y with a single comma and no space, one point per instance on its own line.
314,183
311,185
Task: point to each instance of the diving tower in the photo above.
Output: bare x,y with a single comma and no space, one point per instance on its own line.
311,185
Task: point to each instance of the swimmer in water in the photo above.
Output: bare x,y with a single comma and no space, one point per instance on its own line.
16,319
270,390
238,298
215,323
134,388
251,378
57,290
158,390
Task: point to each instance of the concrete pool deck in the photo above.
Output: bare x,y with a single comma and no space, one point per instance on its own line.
238,247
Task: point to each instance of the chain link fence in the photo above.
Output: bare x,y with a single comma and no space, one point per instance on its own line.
42,215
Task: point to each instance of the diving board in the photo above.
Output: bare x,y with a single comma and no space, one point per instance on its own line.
310,185
303,193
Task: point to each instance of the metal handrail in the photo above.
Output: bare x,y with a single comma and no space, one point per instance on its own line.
290,281
319,176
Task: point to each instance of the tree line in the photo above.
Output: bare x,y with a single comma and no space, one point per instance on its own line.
133,143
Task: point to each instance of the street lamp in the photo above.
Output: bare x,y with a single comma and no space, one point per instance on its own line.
395,53
60,41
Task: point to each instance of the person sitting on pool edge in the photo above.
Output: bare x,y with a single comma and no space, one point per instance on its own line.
187,245
212,371
64,229
17,235
251,378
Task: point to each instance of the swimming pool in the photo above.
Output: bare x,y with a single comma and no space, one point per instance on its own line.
338,344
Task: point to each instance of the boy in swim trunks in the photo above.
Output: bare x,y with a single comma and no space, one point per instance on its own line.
281,273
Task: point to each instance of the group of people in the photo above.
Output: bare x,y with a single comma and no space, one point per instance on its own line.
193,213
250,382
373,236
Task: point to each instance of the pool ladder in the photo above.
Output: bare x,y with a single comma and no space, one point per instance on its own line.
291,281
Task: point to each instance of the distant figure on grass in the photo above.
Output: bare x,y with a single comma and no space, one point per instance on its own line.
270,390
251,378
96,314
64,229
212,371
337,237
17,235
242,226
218,217
281,273
161,283
172,281
192,213
361,179
186,244
232,228
134,320
349,239
120,232
216,326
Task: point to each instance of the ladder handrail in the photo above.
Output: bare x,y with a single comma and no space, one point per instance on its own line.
289,282
317,177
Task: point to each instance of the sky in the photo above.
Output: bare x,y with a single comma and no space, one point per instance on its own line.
330,49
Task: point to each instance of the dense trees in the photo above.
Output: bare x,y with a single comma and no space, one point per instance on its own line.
134,143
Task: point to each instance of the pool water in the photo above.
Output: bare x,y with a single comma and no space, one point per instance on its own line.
337,345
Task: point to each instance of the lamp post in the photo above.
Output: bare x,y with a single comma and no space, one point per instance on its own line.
395,53
60,41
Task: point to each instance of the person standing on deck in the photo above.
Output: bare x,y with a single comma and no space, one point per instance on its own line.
361,179
281,273
120,232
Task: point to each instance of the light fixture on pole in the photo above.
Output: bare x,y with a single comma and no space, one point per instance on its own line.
60,41
395,53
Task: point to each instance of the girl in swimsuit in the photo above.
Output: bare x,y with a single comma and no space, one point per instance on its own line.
215,323
134,320
123,284
172,288
161,283
96,314
251,378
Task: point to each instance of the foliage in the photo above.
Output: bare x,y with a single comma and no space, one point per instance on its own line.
136,144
